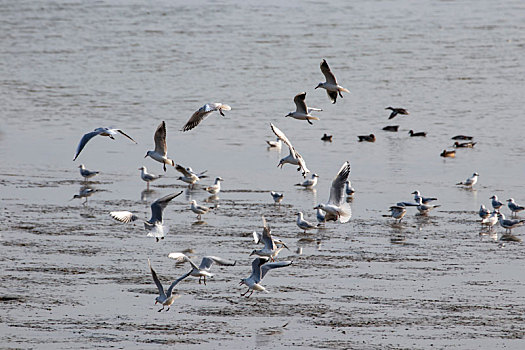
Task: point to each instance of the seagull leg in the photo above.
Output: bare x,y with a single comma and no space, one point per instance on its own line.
157,238
200,279
147,189
243,294
168,309
204,280
161,309
309,122
340,94
164,164
249,294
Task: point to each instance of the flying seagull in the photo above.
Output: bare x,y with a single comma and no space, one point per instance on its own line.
165,298
301,111
154,224
331,86
160,154
270,249
203,112
260,268
102,132
294,157
337,208
203,270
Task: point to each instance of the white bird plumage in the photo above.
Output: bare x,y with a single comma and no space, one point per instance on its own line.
166,298
302,112
331,86
102,132
309,183
270,249
336,208
203,112
148,177
471,181
203,270
294,157
160,154
260,267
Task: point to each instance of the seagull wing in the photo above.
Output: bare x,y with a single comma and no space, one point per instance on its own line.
300,103
170,289
330,78
123,133
332,95
267,236
160,139
123,216
338,185
158,206
207,261
198,117
274,265
256,237
183,170
180,257
157,282
282,137
256,268
84,140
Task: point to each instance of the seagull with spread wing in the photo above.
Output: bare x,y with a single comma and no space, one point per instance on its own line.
154,225
203,112
189,176
102,132
165,298
160,154
260,268
337,208
331,86
301,111
294,157
203,270
270,249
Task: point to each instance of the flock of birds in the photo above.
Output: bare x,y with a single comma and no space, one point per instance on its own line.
336,209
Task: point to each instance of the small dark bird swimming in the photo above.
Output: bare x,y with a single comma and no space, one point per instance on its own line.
369,138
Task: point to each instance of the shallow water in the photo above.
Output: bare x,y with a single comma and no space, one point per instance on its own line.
74,278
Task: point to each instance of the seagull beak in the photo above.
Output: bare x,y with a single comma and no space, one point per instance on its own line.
145,156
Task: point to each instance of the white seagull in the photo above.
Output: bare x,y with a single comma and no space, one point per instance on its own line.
514,208
203,112
483,212
216,187
165,298
189,176
309,183
490,220
320,216
198,209
160,154
277,197
509,224
425,200
154,225
99,131
349,189
471,181
203,270
87,174
336,208
331,86
275,144
294,157
425,208
496,204
257,238
144,175
84,192
270,249
301,111
303,224
260,268
397,212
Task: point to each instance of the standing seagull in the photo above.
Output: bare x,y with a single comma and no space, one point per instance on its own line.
509,224
424,200
144,175
471,181
154,225
331,86
303,224
309,183
203,112
301,111
270,249
483,212
397,212
336,208
396,111
190,177
203,270
198,209
165,298
349,189
514,208
425,208
160,154
260,268
496,204
99,131
216,187
277,197
294,157
87,173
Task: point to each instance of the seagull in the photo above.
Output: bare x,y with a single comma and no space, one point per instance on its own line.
301,111
464,144
165,298
85,192
349,190
425,208
154,226
368,138
509,224
99,131
294,157
309,183
87,173
320,216
396,111
471,181
275,144
144,175
514,208
260,268
303,224
270,249
414,134
190,177
397,212
425,200
257,238
216,187
496,204
198,209
336,208
448,154
203,270
203,112
490,220
393,128
483,212
331,86
160,154
462,137
277,197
